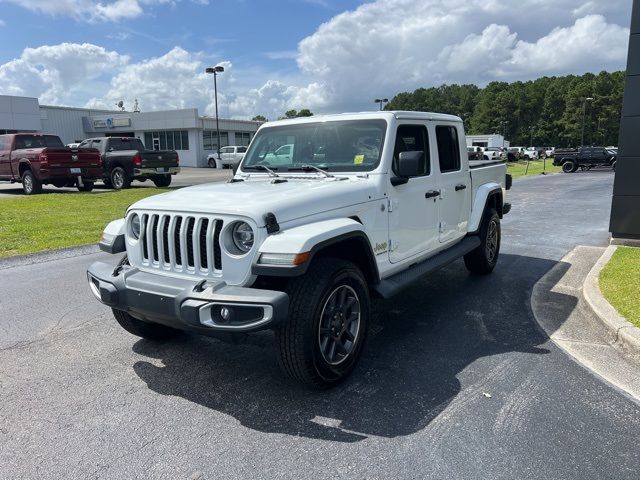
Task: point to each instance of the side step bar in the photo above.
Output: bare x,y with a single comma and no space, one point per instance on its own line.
390,286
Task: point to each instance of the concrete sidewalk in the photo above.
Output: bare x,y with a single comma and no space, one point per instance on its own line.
559,305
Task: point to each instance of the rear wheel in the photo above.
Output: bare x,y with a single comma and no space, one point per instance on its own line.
87,186
569,166
119,178
162,181
483,259
30,184
322,339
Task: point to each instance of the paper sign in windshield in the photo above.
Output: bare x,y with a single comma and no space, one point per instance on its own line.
358,159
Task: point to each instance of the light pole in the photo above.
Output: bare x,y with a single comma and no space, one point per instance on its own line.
584,109
504,126
216,70
531,131
381,101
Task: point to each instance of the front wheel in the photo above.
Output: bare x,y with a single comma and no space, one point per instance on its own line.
483,259
162,181
212,163
322,339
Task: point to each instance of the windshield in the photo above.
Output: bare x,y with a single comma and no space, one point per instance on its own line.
342,146
120,144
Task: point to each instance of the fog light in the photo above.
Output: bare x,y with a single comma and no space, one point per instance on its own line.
226,314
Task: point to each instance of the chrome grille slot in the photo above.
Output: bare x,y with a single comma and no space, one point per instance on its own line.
181,243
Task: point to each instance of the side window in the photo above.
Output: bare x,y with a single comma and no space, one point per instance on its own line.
448,148
242,149
412,138
3,143
84,144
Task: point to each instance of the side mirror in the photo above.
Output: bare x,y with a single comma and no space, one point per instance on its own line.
110,149
409,165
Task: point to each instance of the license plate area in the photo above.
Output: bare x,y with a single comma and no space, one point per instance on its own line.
75,170
161,170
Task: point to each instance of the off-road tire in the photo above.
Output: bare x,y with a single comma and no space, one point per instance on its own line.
30,184
119,178
151,331
162,181
87,186
481,261
298,337
569,166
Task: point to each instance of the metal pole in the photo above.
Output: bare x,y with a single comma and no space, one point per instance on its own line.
584,108
215,88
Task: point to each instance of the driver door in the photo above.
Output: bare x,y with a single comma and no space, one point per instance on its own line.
413,206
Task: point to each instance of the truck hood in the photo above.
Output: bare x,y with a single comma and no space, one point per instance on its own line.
255,197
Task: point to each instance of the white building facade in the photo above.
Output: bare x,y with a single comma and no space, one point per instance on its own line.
191,135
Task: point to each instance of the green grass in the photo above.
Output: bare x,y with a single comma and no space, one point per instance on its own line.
620,283
517,169
58,220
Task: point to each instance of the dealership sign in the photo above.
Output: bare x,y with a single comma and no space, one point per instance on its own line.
112,122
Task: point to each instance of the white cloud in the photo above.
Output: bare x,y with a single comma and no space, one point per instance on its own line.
2,23
378,49
58,73
92,10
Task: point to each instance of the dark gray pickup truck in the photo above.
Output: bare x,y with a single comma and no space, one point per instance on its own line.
126,159
584,158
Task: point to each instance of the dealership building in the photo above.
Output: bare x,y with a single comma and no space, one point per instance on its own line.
193,136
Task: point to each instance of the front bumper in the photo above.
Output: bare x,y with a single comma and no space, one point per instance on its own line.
187,304
143,172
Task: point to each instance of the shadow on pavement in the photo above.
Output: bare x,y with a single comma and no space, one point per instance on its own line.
419,343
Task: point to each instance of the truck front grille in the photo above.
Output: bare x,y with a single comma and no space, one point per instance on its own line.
182,243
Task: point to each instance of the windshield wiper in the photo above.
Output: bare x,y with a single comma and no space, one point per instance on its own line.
308,168
262,168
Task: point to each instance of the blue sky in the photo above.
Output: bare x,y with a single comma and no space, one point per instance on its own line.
326,55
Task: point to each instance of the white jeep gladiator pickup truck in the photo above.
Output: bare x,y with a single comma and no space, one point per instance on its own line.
363,206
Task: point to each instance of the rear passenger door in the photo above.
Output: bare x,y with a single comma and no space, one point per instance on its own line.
455,184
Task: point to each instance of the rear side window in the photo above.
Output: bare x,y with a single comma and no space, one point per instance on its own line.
3,143
448,148
412,138
121,144
38,141
242,149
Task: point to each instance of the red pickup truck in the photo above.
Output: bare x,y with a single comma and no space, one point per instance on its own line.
36,159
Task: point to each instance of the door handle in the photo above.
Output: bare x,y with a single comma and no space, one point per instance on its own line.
461,186
432,194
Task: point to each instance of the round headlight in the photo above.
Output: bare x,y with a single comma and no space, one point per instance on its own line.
135,226
243,238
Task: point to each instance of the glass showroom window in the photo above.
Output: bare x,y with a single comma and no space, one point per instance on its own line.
167,140
243,138
210,139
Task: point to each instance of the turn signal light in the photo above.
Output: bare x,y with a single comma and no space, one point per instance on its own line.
137,160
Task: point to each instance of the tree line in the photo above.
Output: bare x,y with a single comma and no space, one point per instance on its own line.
543,112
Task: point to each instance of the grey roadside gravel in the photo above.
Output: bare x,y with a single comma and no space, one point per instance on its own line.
81,398
48,256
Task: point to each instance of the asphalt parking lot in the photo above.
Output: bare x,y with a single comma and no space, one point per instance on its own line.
457,380
187,176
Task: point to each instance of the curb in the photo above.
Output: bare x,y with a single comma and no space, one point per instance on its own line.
625,335
48,256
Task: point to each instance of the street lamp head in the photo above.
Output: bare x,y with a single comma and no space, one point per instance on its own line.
588,99
385,100
377,100
217,69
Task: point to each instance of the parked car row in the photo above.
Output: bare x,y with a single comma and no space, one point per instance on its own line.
38,159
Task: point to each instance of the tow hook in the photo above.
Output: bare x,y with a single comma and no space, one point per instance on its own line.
200,286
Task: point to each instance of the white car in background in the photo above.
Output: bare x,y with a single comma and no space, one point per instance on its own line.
229,157
493,153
